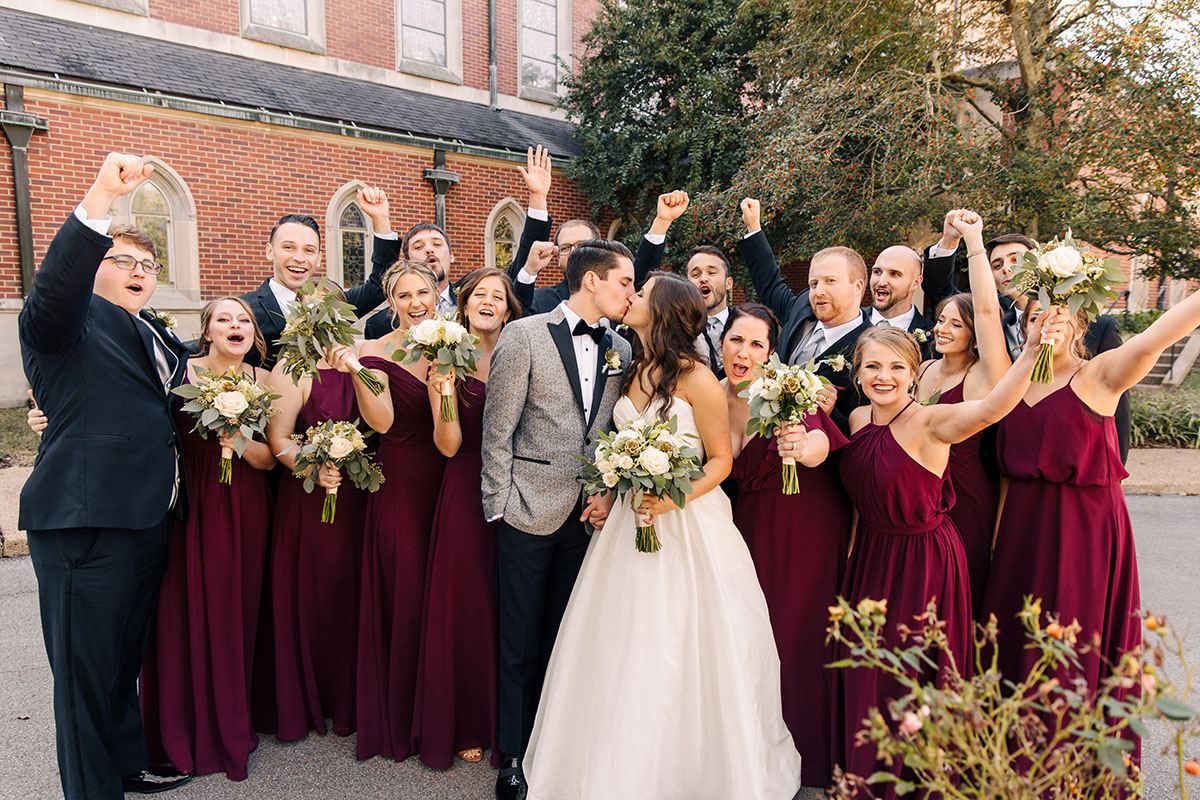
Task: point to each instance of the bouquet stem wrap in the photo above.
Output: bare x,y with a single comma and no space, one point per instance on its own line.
365,376
646,540
448,412
329,507
226,475
791,480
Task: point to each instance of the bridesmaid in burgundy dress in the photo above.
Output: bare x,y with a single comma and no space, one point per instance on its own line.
906,550
1064,533
195,681
399,521
798,542
969,337
456,680
308,676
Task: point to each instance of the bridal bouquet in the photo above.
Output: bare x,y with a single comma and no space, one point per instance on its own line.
312,328
227,405
644,458
448,346
340,444
781,395
1060,273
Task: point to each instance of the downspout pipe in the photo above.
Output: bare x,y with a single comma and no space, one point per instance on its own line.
493,78
18,129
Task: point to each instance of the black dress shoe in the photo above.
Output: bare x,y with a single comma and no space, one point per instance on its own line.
510,783
155,779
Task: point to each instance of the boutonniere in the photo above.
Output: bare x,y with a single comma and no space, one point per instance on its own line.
837,363
612,360
920,335
622,328
164,318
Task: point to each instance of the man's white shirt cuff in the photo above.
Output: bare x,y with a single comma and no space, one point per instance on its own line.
391,236
100,226
656,238
525,277
538,213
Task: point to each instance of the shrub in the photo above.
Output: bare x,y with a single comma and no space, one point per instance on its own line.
1136,321
1165,419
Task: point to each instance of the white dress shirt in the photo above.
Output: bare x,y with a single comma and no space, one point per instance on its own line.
903,322
283,295
829,336
712,332
586,354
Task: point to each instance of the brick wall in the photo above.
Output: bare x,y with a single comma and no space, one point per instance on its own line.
242,177
362,31
220,16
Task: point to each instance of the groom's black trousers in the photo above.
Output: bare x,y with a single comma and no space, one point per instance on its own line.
534,581
98,593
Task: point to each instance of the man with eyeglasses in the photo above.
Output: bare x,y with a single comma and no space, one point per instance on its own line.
107,485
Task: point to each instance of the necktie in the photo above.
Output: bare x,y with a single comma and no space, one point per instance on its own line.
883,323
713,332
809,346
583,329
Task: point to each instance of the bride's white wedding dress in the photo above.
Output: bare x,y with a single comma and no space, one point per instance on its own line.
664,681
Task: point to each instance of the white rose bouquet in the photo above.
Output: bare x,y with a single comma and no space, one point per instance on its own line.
781,395
227,405
1060,273
315,326
340,444
644,458
448,346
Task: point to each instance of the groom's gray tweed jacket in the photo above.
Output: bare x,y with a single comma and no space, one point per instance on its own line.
533,424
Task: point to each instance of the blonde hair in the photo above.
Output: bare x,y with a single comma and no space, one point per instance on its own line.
901,342
401,268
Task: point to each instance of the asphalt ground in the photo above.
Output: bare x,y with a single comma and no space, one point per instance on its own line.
1167,529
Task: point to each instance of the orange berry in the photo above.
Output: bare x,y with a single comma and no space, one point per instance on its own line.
1055,630
1151,624
1192,768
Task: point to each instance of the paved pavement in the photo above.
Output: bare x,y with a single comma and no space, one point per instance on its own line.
324,767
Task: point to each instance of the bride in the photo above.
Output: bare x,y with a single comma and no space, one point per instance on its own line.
664,680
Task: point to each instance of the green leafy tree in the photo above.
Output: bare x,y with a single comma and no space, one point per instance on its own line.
664,98
1039,114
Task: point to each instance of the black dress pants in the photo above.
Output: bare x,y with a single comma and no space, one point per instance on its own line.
98,592
535,578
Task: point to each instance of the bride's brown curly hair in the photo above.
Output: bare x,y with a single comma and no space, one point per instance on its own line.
677,317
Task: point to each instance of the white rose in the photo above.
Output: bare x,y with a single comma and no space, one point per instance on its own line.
427,332
611,479
625,461
656,462
453,332
1063,261
623,438
340,447
230,404
604,465
770,390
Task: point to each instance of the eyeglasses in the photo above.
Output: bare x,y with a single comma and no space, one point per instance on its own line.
565,249
149,266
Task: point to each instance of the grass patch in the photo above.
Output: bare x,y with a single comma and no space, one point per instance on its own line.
18,444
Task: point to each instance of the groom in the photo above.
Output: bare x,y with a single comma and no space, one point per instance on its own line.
554,380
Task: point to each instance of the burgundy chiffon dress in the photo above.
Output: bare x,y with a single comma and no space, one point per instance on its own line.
456,681
798,543
195,681
395,556
976,498
906,551
314,590
1064,535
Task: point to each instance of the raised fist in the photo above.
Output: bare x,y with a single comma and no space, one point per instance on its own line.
537,175
752,214
672,205
965,222
540,256
374,203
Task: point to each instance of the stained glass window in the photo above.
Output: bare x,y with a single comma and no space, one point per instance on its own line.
423,31
151,214
539,44
353,227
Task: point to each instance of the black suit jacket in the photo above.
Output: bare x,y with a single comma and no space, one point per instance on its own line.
108,457
540,301
794,310
271,320
1102,334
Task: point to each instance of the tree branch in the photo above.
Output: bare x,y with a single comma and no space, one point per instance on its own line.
1072,21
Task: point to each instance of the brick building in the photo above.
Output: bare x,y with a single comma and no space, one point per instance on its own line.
253,108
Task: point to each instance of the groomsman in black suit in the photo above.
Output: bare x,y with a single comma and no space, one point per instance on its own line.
426,243
107,485
294,249
671,206
1004,253
820,323
709,271
895,277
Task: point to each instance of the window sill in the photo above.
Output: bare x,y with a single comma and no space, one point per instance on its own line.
295,41
539,95
432,71
139,7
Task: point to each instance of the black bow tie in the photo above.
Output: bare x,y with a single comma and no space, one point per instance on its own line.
583,329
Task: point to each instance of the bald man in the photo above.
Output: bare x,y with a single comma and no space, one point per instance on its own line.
894,280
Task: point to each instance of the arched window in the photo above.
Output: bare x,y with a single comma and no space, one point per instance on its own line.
149,212
504,227
349,237
163,207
